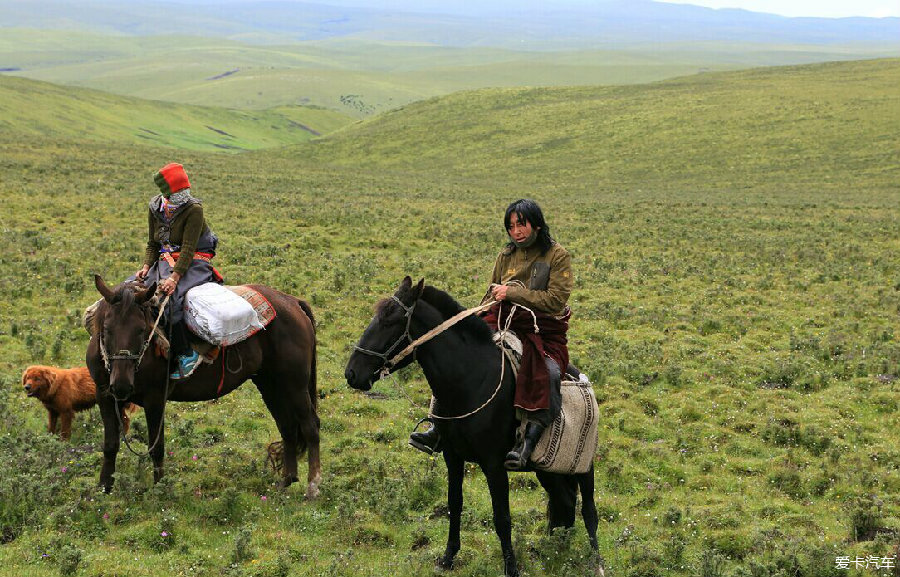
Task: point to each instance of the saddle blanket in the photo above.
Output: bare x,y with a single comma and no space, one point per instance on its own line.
224,316
569,444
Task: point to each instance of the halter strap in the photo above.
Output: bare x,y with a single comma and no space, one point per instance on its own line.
385,356
125,354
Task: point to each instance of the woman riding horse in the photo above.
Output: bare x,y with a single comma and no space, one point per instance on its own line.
179,249
534,271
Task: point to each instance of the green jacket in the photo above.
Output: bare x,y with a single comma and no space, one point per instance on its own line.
518,264
185,230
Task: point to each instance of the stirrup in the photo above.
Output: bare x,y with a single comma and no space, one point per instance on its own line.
417,440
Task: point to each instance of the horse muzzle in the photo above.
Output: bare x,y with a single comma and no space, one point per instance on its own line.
359,382
121,382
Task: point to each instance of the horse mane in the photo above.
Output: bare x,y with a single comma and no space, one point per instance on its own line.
447,307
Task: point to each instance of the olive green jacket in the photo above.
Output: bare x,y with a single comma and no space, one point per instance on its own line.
183,233
518,264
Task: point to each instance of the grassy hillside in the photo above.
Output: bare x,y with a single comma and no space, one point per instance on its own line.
30,109
359,77
734,239
827,125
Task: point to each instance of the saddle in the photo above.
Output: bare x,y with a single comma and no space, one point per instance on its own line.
569,444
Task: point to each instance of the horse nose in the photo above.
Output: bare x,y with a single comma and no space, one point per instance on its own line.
350,375
121,382
28,388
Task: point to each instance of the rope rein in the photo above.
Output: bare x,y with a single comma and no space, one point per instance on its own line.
505,353
127,355
414,344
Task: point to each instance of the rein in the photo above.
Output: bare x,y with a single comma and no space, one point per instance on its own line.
505,355
414,344
387,362
125,354
390,362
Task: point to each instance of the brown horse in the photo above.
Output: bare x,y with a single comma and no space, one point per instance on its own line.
280,360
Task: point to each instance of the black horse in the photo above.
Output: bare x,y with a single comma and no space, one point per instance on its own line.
281,361
463,368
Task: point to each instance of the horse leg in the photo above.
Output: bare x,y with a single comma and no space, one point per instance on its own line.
562,493
498,484
588,508
309,431
110,442
156,437
282,411
455,470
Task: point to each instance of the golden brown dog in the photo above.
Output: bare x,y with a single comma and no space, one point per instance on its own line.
63,392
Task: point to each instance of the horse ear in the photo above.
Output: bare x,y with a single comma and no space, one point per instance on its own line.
420,287
144,296
101,286
405,284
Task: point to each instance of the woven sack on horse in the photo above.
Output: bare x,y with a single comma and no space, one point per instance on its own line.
570,443
226,315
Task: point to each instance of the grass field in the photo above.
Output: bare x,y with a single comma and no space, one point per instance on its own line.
734,240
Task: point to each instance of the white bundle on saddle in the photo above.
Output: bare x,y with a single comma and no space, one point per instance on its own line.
569,444
219,315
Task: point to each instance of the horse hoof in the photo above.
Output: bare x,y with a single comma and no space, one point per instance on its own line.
312,491
444,563
600,572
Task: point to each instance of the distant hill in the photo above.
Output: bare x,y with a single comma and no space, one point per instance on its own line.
30,109
816,124
567,24
363,61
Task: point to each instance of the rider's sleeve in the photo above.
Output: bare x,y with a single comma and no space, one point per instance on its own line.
495,279
151,253
559,287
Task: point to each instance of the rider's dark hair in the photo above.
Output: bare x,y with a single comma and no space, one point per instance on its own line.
529,211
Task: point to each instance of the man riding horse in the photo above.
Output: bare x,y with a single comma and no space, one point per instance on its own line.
179,249
532,271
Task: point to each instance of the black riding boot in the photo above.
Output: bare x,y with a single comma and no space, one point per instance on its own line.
427,442
517,459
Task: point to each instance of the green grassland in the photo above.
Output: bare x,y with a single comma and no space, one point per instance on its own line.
734,237
358,77
32,109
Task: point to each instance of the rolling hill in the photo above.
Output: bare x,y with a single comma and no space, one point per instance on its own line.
31,109
822,124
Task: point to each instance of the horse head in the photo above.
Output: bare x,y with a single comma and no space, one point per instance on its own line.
386,335
123,326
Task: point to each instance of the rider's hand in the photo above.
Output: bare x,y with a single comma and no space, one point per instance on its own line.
142,273
498,291
168,285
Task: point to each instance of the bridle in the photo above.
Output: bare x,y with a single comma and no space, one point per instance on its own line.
126,354
388,363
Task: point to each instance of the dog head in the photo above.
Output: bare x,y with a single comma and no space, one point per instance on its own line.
38,381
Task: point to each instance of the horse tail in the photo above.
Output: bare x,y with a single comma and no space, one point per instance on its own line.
313,392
